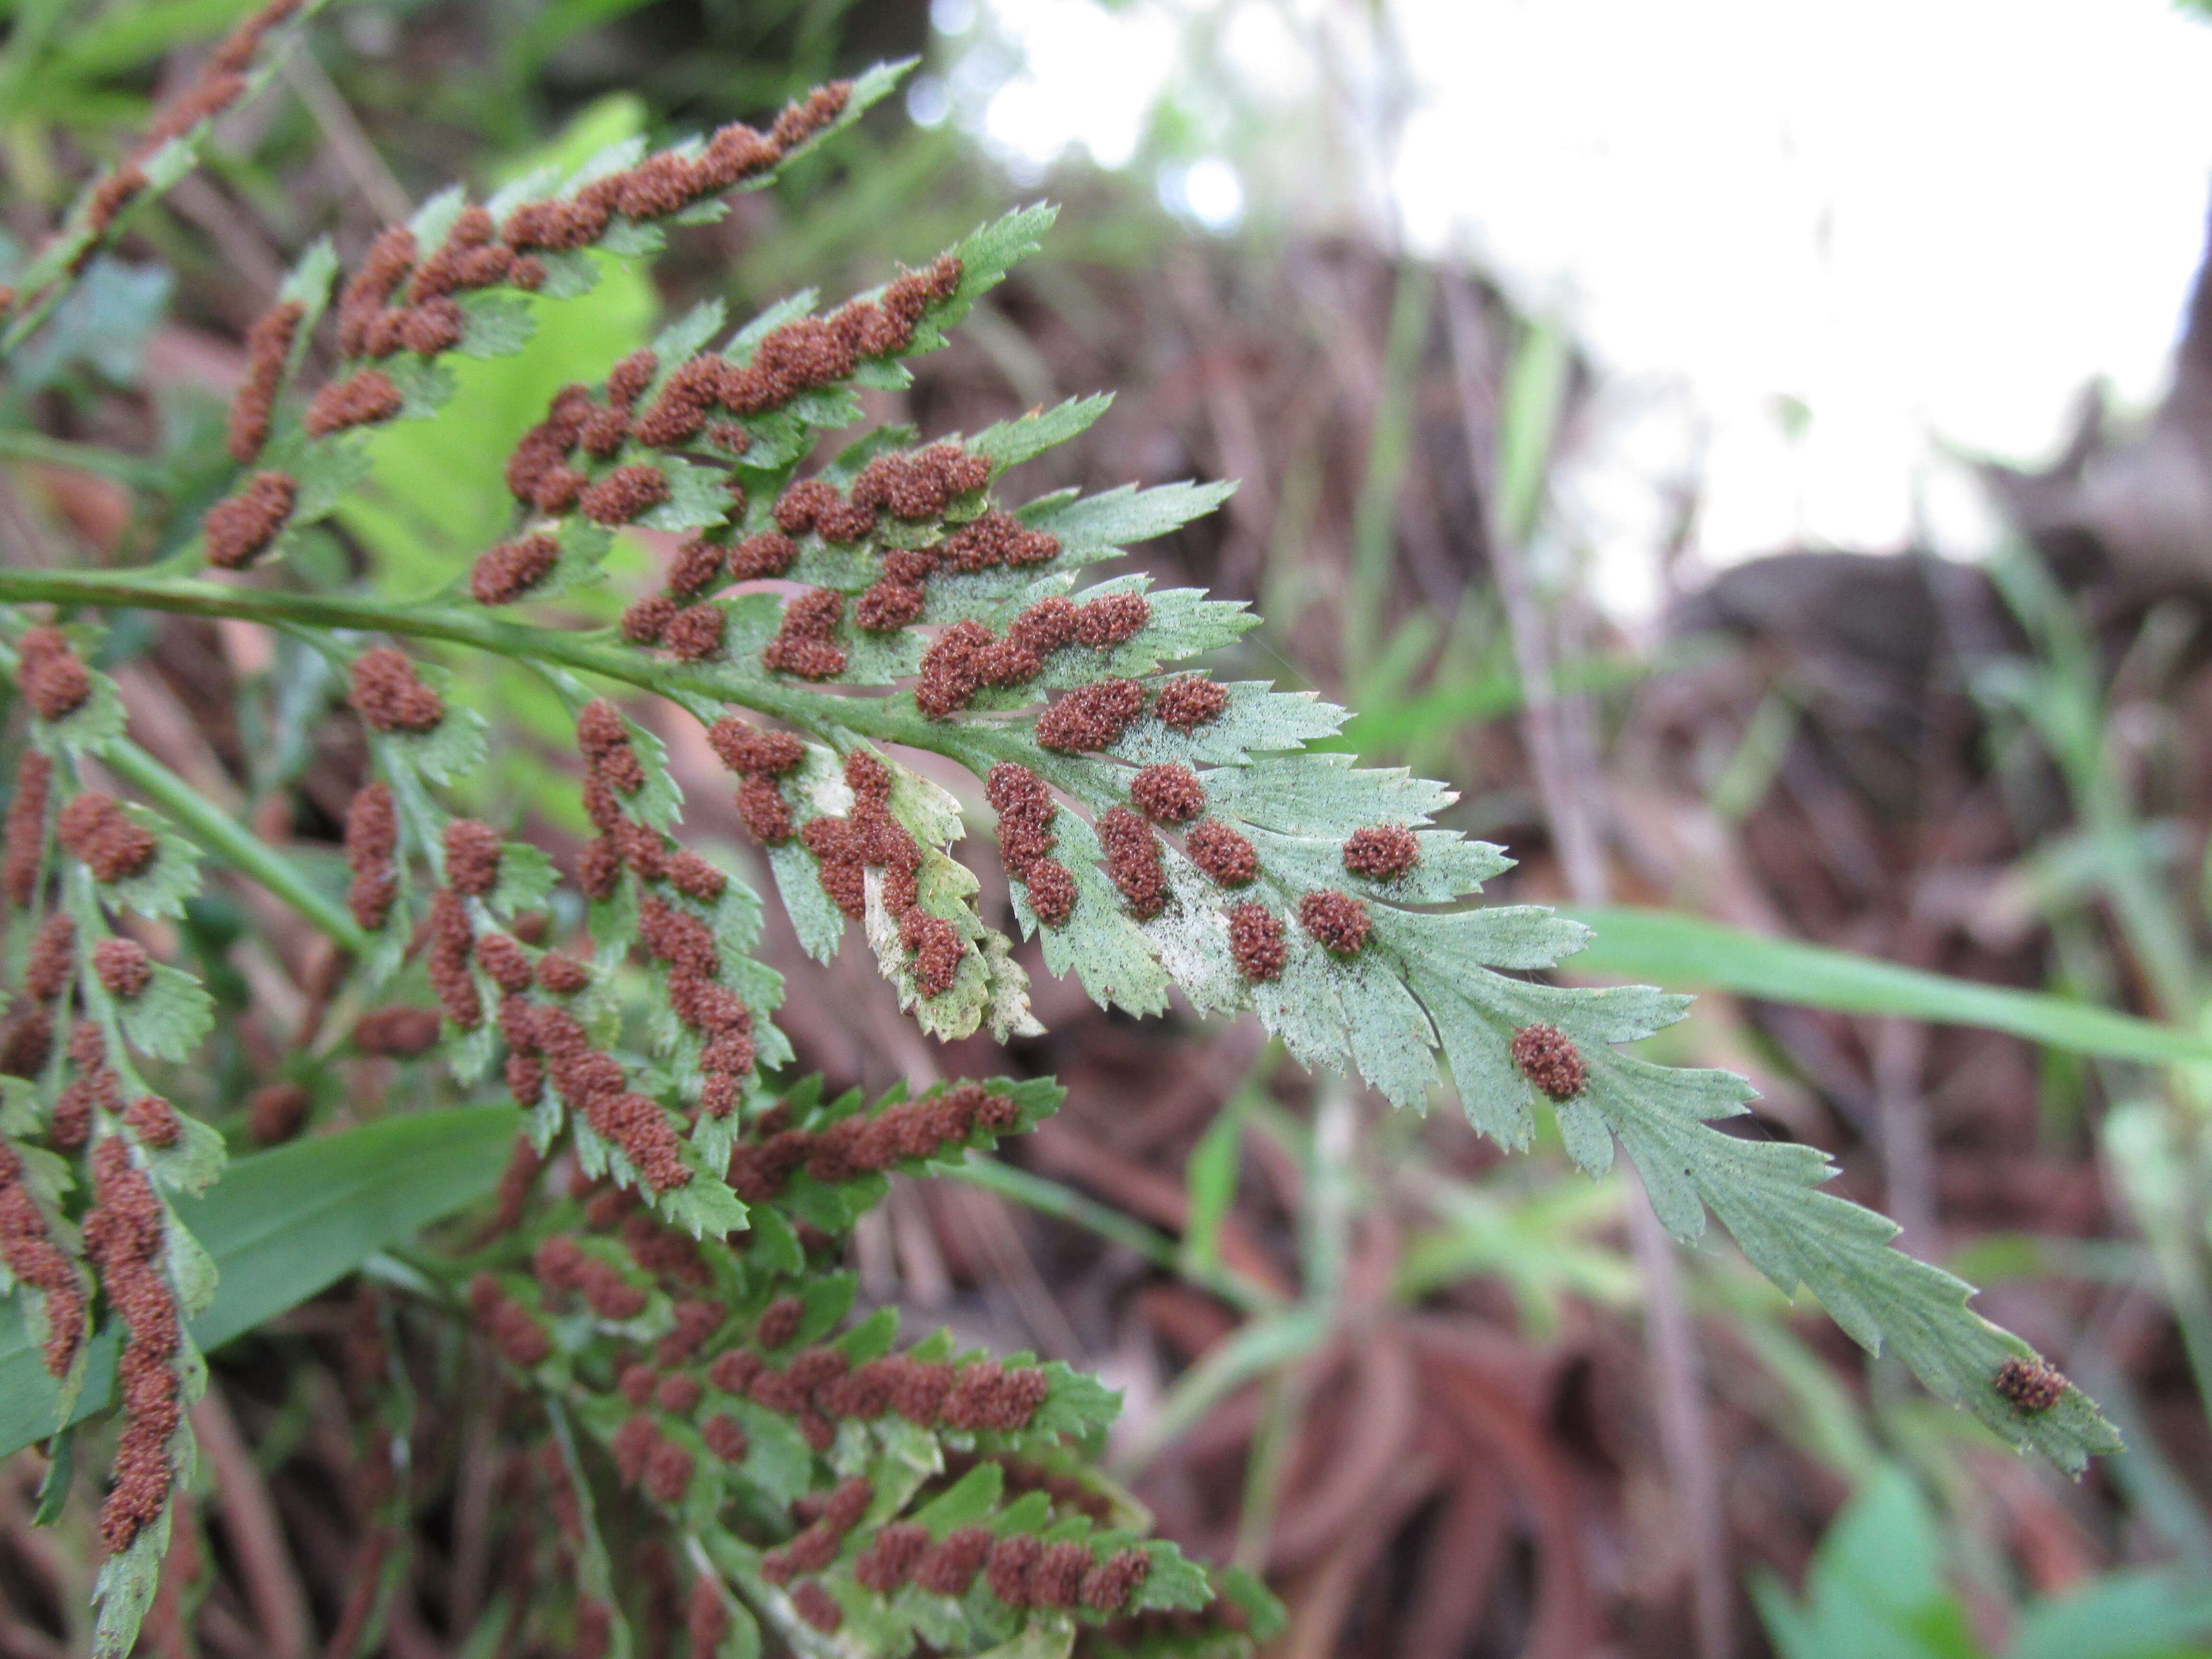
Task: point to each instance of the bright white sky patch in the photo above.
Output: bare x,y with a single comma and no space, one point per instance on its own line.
1805,244
1089,78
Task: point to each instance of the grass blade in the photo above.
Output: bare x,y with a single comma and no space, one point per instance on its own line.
1667,946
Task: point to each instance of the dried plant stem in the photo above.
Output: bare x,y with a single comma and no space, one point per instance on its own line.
1563,776
354,153
249,1521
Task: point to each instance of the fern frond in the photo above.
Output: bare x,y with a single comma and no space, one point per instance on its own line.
677,1314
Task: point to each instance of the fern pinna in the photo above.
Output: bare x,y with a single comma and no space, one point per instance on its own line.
660,1280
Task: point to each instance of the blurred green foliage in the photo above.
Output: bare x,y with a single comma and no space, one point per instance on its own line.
1876,1590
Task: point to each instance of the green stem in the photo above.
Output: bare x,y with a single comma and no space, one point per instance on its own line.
1157,1248
230,840
1260,1348
192,597
25,445
976,744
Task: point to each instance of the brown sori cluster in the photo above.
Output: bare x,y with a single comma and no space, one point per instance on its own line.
453,944
538,472
839,1512
590,1082
562,974
1168,793
870,838
762,556
154,1120
563,1266
1090,717
1024,1571
507,961
920,483
365,398
916,485
48,673
97,832
814,504
53,958
804,353
47,972
397,1033
1382,852
1224,852
889,1561
109,198
388,695
1190,703
472,852
760,758
26,834
813,1603
214,89
967,657
2031,1384
122,967
1256,941
996,539
686,944
712,1011
518,1184
1025,810
1547,1057
695,633
1338,921
95,1088
666,182
642,1458
28,1248
268,344
645,620
1133,860
779,1321
624,494
428,321
697,566
899,596
705,1619
819,1387
275,1111
28,1042
123,1235
628,379
950,1566
505,572
611,769
807,352
805,645
514,1330
382,268
238,527
372,835
914,1130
